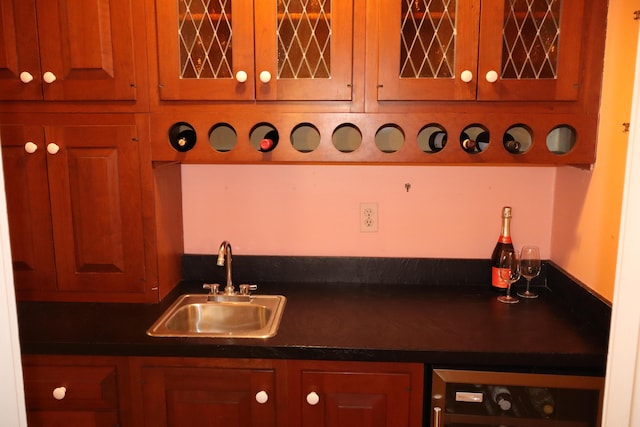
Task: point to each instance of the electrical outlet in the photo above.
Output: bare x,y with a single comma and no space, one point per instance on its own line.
368,217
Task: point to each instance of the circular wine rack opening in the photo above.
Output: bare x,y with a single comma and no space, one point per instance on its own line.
182,136
347,138
259,132
305,137
561,139
518,139
223,137
389,138
432,138
474,138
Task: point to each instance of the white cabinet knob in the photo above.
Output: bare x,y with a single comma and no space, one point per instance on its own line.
30,147
53,148
265,76
491,76
241,76
59,393
313,398
26,77
262,396
466,76
49,77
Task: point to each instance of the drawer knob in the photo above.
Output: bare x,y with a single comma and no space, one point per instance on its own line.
466,76
49,77
491,76
26,77
59,393
53,148
30,147
313,398
241,76
265,77
262,397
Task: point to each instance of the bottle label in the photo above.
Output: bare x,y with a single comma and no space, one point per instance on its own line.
496,280
504,239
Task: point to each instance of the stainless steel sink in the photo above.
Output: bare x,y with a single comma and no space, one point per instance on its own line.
255,316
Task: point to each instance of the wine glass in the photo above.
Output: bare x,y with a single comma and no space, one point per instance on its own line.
509,270
529,267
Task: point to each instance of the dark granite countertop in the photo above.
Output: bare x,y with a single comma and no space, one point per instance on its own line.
461,326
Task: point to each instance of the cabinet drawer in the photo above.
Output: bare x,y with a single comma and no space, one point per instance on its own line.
85,387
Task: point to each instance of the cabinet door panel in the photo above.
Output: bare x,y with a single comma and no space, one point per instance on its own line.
183,397
19,50
88,45
28,208
72,418
201,50
549,62
307,49
422,54
357,399
96,208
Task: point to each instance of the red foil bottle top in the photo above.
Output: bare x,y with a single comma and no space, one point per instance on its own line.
266,144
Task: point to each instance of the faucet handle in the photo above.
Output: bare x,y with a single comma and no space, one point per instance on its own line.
213,288
244,289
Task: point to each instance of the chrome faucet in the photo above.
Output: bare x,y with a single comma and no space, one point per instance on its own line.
225,252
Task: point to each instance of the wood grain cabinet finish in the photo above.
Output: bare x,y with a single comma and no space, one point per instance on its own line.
222,51
344,394
74,391
75,211
178,393
183,392
67,50
426,54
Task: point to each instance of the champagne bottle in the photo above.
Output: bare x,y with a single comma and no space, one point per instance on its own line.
503,245
269,141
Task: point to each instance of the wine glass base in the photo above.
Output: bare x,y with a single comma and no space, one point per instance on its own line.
528,294
507,299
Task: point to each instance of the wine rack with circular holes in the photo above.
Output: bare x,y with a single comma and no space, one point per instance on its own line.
375,138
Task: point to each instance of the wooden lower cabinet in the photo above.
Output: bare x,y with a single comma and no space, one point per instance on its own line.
255,393
76,391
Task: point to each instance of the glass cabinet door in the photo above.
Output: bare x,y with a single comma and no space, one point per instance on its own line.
304,49
427,48
534,52
264,50
205,49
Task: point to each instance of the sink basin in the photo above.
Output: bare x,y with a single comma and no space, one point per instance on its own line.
255,316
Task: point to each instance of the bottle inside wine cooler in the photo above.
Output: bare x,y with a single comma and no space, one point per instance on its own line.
503,245
182,136
542,401
502,397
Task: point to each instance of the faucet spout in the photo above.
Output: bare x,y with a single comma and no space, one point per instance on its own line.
224,258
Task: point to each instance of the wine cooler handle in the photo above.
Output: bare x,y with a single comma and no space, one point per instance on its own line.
437,413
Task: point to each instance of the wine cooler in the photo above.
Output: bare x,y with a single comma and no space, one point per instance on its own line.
504,399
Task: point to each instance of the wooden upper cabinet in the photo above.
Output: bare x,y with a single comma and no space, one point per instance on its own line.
74,201
67,50
227,50
480,50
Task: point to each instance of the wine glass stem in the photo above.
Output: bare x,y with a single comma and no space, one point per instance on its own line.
508,289
528,282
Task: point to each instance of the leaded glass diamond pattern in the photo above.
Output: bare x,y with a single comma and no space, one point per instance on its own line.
427,39
304,39
530,39
204,39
